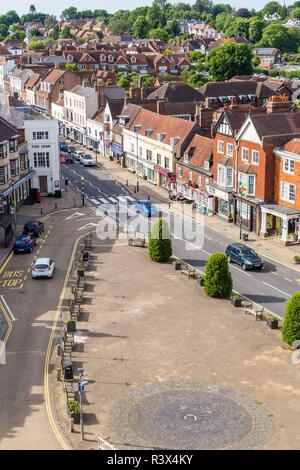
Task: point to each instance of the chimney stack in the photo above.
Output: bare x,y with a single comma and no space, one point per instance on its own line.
101,96
278,104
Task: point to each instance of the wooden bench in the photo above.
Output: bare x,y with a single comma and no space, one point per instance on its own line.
138,241
188,271
255,310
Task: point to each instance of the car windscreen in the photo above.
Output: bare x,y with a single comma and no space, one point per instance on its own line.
147,204
20,242
88,157
41,266
248,252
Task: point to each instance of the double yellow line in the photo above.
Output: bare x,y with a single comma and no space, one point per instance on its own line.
4,311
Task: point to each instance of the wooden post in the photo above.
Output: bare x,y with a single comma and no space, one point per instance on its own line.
58,374
72,425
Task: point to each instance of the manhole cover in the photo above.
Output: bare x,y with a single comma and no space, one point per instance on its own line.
173,415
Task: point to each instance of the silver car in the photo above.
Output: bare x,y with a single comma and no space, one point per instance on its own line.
43,267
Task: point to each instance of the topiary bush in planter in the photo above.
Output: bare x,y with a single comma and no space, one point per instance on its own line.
291,324
218,279
71,326
160,244
73,409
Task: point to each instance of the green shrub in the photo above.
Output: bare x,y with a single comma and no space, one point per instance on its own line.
291,324
218,280
160,244
74,406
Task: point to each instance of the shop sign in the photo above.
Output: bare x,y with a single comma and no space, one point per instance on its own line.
172,178
56,184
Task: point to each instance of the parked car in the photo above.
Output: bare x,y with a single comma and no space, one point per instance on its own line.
24,244
69,158
63,147
43,267
77,153
87,160
145,207
71,148
34,227
243,255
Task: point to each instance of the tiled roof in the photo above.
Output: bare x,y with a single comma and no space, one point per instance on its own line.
200,149
236,88
7,131
170,126
176,92
276,124
53,76
292,146
33,80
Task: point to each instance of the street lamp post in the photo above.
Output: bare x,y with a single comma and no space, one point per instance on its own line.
81,386
82,189
136,129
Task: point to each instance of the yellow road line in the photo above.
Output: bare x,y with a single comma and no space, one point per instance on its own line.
9,326
49,350
6,262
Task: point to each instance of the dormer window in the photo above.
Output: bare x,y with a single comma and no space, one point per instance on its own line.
102,58
174,141
110,58
206,165
133,60
148,132
70,58
160,137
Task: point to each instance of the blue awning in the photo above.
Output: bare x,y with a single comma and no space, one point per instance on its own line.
16,185
117,149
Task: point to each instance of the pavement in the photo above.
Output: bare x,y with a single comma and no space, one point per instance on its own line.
159,332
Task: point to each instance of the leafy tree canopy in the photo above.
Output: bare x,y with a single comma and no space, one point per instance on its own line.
228,60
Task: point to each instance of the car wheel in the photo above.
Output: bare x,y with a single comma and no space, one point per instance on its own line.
244,267
228,259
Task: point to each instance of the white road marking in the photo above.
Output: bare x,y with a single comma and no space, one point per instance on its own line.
279,290
8,309
103,200
112,199
122,198
95,201
90,225
130,198
75,215
287,279
241,270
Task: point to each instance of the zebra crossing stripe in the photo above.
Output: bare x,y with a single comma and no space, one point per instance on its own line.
122,199
112,199
95,201
130,198
103,200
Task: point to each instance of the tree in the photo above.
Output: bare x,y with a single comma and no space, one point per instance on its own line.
66,32
270,8
222,21
36,45
10,18
119,26
296,13
275,35
228,60
148,80
69,13
155,15
32,9
291,324
124,82
203,6
238,27
158,33
160,244
222,8
196,56
173,29
140,27
72,67
243,13
256,27
3,31
218,279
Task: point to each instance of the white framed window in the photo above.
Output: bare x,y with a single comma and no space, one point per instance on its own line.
158,159
251,185
289,165
288,192
255,157
229,177
247,184
132,147
167,162
245,154
41,160
220,146
190,175
186,158
179,171
140,151
149,154
221,175
200,181
229,149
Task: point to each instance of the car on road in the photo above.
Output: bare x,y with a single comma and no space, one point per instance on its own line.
145,207
87,160
43,267
34,227
24,244
77,153
243,255
71,148
70,158
63,147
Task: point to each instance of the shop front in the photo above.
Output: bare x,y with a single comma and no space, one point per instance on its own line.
281,222
246,213
165,178
222,202
117,152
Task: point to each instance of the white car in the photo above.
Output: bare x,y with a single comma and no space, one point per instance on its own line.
78,153
87,160
43,267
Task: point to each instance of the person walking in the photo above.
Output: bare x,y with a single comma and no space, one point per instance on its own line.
66,183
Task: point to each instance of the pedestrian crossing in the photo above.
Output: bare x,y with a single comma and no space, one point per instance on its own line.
112,200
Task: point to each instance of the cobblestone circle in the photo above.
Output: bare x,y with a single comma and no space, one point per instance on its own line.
186,415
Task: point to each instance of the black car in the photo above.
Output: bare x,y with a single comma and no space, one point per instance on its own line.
69,158
243,255
34,227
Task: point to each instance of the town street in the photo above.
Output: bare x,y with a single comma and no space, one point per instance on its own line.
31,306
270,287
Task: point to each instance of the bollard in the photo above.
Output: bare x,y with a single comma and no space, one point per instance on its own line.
59,350
41,211
58,374
148,197
72,425
55,205
126,182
